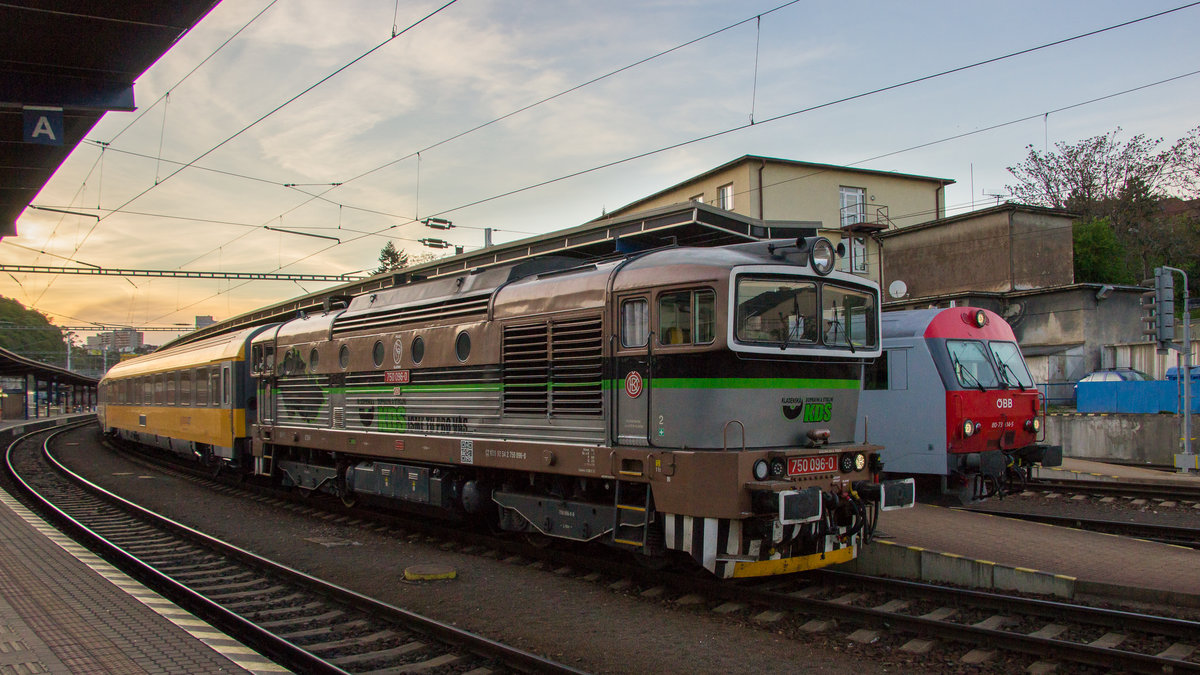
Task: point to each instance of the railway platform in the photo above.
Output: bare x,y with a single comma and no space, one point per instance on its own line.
64,610
940,544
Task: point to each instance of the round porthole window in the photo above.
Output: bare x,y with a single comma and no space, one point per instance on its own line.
418,349
344,357
462,346
377,353
314,357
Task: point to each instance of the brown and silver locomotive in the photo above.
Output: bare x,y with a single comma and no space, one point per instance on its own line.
695,402
699,400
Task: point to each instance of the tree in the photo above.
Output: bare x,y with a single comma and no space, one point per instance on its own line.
1099,257
1119,187
29,333
390,259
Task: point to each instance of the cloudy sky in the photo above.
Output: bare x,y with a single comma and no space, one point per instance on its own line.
191,179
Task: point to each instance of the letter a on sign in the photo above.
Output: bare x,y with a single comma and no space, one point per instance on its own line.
44,125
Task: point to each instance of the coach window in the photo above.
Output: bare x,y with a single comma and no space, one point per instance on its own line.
172,388
635,323
201,386
147,390
214,386
185,388
226,386
686,317
971,365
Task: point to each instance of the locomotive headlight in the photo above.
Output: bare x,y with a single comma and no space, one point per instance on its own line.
860,461
1033,425
761,469
981,319
968,429
822,256
778,467
849,461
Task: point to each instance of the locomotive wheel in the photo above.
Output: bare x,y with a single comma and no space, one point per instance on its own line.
537,539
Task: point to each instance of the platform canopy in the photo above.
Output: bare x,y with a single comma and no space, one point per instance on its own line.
15,365
63,64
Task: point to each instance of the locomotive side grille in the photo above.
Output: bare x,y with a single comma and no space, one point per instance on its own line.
455,308
302,401
526,369
577,368
457,397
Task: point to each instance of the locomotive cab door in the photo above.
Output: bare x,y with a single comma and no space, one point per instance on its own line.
632,371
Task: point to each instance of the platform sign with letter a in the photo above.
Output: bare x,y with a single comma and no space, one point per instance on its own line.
43,125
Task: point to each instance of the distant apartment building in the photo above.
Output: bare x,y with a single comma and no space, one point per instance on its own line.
125,340
845,204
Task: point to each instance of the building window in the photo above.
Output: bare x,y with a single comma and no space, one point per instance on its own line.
725,196
698,198
854,205
856,256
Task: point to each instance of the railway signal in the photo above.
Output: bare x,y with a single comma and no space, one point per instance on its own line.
1158,309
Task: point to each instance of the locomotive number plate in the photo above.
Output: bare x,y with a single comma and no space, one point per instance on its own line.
801,465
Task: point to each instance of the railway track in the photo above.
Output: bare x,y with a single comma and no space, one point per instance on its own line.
1174,491
913,616
1166,534
300,621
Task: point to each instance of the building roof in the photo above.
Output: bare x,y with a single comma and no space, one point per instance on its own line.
791,162
81,56
970,215
15,365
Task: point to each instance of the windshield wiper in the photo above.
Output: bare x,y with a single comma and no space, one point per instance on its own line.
1004,368
959,370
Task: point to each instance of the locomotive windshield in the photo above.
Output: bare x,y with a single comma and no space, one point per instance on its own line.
1012,367
790,312
971,364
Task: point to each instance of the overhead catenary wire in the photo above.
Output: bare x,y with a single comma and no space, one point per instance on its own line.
783,116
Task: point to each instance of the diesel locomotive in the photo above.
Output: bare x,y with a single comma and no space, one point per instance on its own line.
678,402
952,401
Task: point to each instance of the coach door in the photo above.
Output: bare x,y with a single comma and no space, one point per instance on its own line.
632,376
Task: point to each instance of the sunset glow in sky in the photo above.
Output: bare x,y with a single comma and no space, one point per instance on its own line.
193,179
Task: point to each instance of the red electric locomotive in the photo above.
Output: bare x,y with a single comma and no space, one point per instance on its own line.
952,402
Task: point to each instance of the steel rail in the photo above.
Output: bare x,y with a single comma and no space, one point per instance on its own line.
1166,534
1119,488
276,647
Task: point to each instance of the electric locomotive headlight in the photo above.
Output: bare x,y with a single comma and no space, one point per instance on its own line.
778,467
968,429
822,256
980,318
761,469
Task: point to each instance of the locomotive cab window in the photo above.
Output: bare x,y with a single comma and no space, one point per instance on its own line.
847,317
686,317
1013,372
971,365
779,311
635,323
